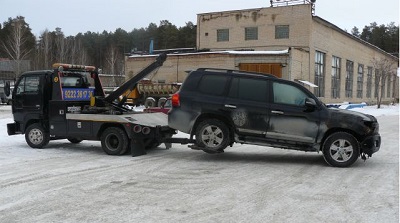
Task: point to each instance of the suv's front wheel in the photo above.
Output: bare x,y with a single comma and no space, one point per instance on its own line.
341,149
212,135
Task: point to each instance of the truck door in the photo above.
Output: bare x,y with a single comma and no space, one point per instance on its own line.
27,96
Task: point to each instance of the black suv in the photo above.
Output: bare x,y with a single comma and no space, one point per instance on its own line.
220,107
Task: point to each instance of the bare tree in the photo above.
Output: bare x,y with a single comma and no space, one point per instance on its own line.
78,52
61,46
113,59
46,48
384,68
15,45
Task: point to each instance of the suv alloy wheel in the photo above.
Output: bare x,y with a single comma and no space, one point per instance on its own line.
212,135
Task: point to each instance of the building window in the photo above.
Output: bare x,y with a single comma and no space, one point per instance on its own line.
319,74
388,87
251,33
360,80
369,82
222,35
376,83
383,80
336,63
282,32
349,78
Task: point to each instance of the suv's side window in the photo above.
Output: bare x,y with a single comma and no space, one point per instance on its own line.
213,84
249,89
288,94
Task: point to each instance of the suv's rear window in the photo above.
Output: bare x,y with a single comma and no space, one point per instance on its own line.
212,84
249,89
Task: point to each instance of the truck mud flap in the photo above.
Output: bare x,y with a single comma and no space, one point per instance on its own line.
137,147
11,129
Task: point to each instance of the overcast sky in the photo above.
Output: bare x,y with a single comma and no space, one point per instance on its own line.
74,16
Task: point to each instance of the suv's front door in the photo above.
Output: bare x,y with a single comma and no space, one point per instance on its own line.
246,105
289,118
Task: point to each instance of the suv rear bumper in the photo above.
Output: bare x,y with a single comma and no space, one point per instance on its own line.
371,144
180,120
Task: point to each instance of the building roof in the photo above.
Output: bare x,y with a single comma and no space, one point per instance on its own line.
333,26
226,52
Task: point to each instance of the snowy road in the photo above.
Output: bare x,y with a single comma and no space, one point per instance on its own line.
80,183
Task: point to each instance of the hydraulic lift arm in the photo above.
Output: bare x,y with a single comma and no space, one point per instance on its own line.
131,84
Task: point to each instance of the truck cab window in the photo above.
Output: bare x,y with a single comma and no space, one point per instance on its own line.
28,85
72,82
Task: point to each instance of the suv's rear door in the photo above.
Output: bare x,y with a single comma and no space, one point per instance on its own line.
246,105
289,118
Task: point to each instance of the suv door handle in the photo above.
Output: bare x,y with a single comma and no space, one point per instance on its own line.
230,106
277,112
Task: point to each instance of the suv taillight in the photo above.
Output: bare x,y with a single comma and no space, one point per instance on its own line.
175,100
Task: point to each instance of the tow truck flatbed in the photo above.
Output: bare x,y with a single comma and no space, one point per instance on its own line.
61,104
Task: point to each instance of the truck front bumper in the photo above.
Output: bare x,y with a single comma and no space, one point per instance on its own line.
371,144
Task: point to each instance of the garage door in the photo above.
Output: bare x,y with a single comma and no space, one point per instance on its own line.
266,68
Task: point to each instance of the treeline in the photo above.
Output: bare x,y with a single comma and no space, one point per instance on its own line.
385,37
105,50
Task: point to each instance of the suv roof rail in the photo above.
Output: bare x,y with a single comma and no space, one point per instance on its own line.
235,71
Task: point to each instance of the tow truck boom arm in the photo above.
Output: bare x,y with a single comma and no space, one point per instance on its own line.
131,84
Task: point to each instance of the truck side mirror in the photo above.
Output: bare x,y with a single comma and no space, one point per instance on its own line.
7,89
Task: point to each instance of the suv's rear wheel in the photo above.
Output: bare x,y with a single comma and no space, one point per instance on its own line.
341,149
212,135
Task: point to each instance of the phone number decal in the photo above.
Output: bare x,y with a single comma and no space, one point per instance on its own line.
77,94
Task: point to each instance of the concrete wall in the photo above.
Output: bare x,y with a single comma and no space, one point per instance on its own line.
265,19
176,66
327,39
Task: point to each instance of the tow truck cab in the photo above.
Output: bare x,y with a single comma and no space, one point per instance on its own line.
46,96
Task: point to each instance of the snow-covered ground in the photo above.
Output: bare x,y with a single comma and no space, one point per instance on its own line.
80,183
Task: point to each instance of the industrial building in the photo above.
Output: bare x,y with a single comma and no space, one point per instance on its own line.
290,42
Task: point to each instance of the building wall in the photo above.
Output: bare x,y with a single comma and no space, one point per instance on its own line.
176,66
265,19
327,39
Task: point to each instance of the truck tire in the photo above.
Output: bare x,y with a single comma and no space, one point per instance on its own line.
341,149
161,102
212,135
74,140
114,141
150,102
36,136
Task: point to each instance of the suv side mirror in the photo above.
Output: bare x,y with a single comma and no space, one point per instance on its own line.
311,104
